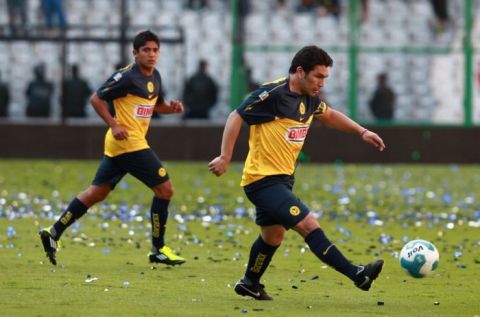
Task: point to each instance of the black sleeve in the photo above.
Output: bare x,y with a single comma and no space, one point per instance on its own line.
258,107
114,87
320,108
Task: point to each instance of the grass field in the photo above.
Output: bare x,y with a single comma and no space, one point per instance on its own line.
369,211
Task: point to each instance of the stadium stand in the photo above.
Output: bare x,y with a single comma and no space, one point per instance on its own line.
418,78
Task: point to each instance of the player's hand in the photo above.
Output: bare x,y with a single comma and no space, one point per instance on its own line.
218,165
176,106
119,132
373,139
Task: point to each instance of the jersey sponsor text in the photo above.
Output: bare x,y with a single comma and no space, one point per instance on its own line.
143,111
297,134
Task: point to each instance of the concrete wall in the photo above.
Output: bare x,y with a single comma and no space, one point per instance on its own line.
193,143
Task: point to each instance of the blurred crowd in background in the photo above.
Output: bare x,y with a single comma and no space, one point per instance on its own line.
393,83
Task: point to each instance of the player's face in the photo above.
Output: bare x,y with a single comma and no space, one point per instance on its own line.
312,82
147,56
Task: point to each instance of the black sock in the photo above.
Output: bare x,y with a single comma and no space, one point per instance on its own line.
158,217
74,211
328,253
260,256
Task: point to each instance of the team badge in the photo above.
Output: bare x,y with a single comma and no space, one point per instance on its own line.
301,108
162,172
150,87
294,211
322,107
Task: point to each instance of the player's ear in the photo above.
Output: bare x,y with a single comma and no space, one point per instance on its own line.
301,72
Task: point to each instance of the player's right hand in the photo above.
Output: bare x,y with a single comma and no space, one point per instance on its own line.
218,165
373,139
119,132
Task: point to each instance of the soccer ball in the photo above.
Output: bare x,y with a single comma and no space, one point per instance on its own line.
419,258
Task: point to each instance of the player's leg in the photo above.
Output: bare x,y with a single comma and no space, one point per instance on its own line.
261,253
319,244
267,203
146,167
159,212
326,251
79,206
107,176
160,253
75,210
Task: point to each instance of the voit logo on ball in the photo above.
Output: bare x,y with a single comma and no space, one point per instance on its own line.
419,258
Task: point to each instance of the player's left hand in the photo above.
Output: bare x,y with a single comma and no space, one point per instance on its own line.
373,139
218,165
176,106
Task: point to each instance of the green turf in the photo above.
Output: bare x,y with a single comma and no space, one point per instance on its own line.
436,203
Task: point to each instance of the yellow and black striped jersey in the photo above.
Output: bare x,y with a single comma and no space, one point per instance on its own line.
134,97
279,120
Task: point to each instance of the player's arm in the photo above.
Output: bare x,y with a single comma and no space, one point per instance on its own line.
339,121
219,165
174,106
101,107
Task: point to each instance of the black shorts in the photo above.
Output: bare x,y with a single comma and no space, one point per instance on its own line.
275,202
143,165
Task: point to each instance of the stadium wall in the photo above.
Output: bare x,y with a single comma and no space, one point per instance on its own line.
202,143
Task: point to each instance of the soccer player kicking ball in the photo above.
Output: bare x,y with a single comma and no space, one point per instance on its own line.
279,114
135,92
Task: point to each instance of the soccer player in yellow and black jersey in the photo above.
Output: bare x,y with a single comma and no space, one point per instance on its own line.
279,115
135,92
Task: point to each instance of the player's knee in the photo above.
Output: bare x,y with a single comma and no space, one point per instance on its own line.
164,191
98,196
307,225
273,241
273,237
94,194
168,193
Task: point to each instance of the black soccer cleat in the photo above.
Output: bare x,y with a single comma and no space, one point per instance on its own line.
49,245
366,274
257,291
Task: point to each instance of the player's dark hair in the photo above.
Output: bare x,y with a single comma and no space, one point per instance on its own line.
143,37
309,57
